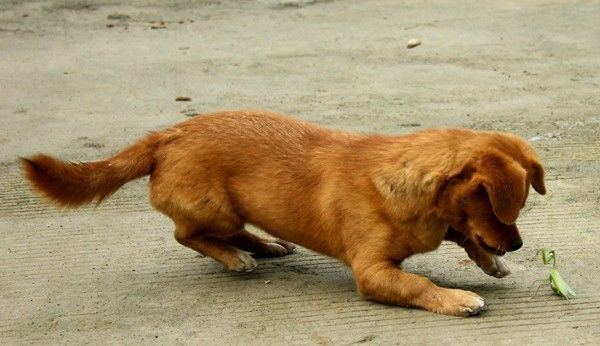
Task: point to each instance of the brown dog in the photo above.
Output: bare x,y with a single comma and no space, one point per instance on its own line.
369,200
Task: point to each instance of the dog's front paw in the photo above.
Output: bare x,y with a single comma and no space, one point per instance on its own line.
498,267
457,302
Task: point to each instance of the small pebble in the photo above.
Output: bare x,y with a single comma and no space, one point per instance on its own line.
412,43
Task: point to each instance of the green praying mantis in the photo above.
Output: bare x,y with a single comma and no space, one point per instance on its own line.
558,285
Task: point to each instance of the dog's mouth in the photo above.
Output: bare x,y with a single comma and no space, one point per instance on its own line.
488,248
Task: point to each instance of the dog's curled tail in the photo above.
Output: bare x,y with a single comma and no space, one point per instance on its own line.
71,184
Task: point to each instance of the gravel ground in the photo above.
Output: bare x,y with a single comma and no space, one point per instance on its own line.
81,79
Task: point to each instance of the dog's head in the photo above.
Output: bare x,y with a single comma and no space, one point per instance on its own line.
484,198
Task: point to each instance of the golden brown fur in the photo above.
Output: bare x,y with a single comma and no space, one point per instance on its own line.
369,200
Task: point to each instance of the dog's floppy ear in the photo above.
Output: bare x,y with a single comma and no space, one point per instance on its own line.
537,180
505,183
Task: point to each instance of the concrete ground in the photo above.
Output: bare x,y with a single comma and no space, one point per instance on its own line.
76,84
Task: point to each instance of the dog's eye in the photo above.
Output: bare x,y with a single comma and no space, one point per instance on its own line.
481,192
481,189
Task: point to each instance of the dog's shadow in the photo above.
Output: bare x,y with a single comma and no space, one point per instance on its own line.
454,271
302,269
305,273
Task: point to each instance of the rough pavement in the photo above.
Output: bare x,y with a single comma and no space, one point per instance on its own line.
78,85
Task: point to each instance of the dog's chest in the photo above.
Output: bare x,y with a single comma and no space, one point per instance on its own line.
426,235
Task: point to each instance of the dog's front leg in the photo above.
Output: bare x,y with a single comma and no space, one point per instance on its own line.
493,265
385,282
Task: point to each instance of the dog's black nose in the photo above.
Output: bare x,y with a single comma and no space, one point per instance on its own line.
516,244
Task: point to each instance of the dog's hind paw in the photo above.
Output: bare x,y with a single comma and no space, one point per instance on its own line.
289,247
275,248
245,264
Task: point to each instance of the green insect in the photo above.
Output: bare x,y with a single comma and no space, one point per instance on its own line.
558,285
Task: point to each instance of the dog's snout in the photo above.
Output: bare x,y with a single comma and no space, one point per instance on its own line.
516,244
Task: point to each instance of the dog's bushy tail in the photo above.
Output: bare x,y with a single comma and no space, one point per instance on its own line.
71,184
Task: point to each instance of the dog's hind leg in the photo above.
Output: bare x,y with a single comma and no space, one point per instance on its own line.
203,218
216,248
258,246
